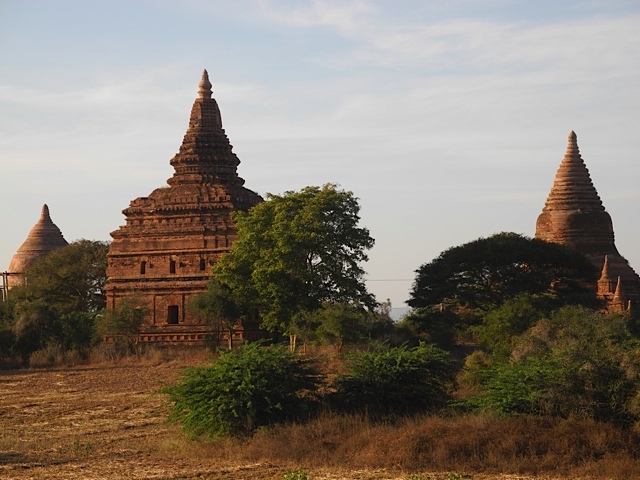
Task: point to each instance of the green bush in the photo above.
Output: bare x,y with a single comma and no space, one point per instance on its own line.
526,386
395,381
242,390
299,474
577,362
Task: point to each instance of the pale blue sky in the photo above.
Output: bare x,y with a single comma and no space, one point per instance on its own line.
447,119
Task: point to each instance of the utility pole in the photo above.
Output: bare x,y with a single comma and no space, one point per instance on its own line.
5,286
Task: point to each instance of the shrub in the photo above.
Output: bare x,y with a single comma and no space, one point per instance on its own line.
243,389
396,381
299,474
578,362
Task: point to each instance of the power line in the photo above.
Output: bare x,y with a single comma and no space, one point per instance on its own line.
389,280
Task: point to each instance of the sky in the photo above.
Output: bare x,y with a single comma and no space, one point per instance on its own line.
447,119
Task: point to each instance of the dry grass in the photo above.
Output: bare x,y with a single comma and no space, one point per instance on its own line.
480,444
104,421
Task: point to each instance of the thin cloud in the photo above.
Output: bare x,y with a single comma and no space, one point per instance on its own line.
344,16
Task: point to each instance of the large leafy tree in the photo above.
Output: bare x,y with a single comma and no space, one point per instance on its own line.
296,251
60,299
487,272
69,279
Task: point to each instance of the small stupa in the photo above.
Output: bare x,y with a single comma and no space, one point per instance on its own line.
43,237
574,215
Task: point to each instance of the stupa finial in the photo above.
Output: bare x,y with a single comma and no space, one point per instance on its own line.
204,87
44,215
573,138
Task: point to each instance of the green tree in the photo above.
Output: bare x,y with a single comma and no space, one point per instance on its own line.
432,325
296,251
35,325
244,389
477,277
58,304
124,322
69,279
7,336
500,325
397,380
486,272
219,307
340,323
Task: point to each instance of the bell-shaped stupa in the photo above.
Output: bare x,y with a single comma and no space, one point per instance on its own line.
43,237
163,256
574,215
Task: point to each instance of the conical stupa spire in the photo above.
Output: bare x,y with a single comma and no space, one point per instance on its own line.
572,188
618,291
43,237
618,303
573,213
605,284
205,155
44,214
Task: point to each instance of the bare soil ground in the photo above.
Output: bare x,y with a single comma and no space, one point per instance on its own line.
106,422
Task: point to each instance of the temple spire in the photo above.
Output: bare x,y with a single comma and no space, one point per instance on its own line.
605,284
617,302
43,238
44,214
572,187
205,155
573,213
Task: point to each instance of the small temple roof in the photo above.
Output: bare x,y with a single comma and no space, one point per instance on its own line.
43,237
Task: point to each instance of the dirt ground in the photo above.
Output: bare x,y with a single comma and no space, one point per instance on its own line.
106,422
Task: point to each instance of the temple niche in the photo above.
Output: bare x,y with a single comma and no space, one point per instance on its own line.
163,255
43,238
574,215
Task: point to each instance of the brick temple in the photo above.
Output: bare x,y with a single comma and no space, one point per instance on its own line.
164,253
43,238
574,215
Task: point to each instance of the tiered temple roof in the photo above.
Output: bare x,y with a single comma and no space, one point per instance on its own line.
574,215
164,253
43,238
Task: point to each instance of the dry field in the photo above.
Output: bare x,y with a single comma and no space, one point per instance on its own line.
106,422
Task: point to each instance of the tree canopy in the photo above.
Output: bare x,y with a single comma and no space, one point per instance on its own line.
296,251
59,301
219,307
488,271
68,279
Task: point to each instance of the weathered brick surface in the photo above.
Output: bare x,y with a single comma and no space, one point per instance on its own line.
164,253
574,215
43,237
